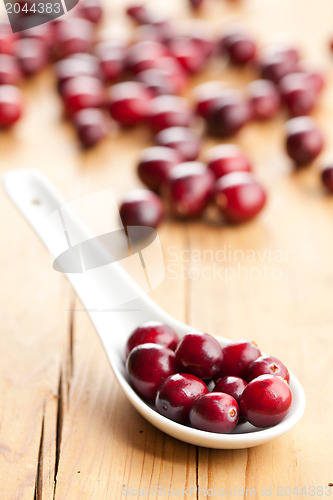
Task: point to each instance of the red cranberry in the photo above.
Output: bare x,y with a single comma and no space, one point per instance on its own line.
266,400
82,92
315,80
237,357
278,61
199,354
240,47
44,33
143,55
177,78
267,365
158,81
264,99
188,54
234,386
298,94
142,14
152,332
147,366
327,177
91,10
74,66
141,207
10,73
206,93
7,38
239,196
73,35
188,189
129,103
10,105
304,141
228,115
154,164
215,412
169,111
90,125
177,394
182,139
227,158
32,55
111,58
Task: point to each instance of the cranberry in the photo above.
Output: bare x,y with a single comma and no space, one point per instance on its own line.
177,394
227,158
239,196
264,99
234,386
143,15
298,94
90,125
237,357
10,73
199,354
111,58
266,400
315,80
158,81
154,164
141,207
44,33
147,366
182,139
152,332
188,189
304,141
188,54
10,105
327,177
74,66
169,111
206,93
277,61
267,365
143,55
227,115
7,38
73,35
32,55
215,412
91,10
177,78
239,46
82,92
129,102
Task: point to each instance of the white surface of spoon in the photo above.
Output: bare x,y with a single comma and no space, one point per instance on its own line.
36,199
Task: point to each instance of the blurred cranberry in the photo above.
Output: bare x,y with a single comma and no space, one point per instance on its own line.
277,61
91,10
154,165
315,79
90,126
304,140
75,66
227,115
205,93
227,158
7,38
177,76
158,81
141,207
111,58
327,177
188,54
184,140
143,55
298,94
142,14
264,99
44,33
82,92
73,35
239,46
129,102
11,105
10,73
32,55
169,111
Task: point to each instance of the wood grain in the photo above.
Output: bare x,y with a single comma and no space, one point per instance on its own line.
66,431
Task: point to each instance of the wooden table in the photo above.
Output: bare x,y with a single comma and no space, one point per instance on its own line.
66,430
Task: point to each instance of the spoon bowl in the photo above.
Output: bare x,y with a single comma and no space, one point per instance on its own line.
38,201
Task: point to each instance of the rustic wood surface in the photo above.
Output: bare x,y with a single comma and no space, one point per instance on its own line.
66,430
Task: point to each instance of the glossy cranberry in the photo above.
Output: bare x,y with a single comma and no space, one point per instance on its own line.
91,10
82,92
205,93
184,140
266,400
277,61
90,126
154,165
152,332
158,81
11,105
199,354
32,55
237,357
141,207
227,115
227,158
74,66
298,93
7,38
177,394
264,99
73,35
10,73
215,412
267,365
234,386
143,55
239,196
188,189
188,54
169,111
304,140
111,58
129,103
327,177
148,365
239,46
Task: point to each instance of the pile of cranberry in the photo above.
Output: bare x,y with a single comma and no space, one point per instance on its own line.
194,381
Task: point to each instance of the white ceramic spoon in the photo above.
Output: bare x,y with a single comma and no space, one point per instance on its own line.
36,198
